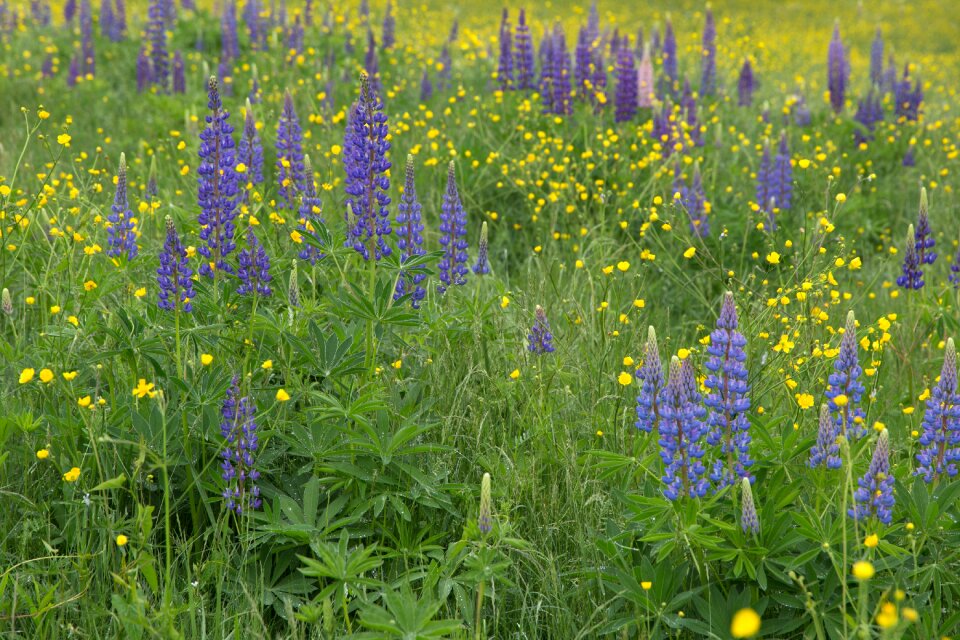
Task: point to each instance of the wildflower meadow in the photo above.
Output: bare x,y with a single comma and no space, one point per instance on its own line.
389,319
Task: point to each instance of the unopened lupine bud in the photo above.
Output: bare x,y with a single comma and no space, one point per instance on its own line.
485,519
749,521
6,303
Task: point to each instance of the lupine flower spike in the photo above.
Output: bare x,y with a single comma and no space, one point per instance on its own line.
708,77
727,400
940,440
410,239
874,495
845,390
453,230
482,266
540,340
650,376
254,272
924,242
122,239
174,275
681,432
310,213
912,277
749,520
289,155
838,70
218,186
826,451
368,182
239,429
250,149
485,517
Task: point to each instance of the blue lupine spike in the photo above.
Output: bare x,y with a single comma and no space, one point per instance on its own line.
239,429
749,520
505,63
157,35
845,381
681,433
174,276
745,85
728,398
669,64
410,239
122,239
826,451
368,182
874,495
876,59
453,233
217,186
708,76
482,265
626,96
940,441
540,340
289,155
254,271
389,27
912,277
250,148
523,54
838,70
650,376
924,240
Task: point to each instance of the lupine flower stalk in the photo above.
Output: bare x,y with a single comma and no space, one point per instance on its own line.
485,517
179,74
749,520
482,265
728,400
708,77
250,148
368,184
650,376
876,59
144,74
837,70
310,209
844,387
254,271
122,239
874,495
561,74
217,186
940,440
410,239
912,276
826,450
239,430
745,85
453,233
388,36
540,340
681,432
924,242
157,35
669,64
626,96
523,54
174,276
505,64
289,155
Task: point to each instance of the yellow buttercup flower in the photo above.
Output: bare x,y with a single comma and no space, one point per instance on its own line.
863,570
871,541
144,389
121,540
26,376
73,475
206,359
625,378
46,376
515,374
282,395
43,454
745,623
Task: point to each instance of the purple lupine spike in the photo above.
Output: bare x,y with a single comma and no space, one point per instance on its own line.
924,235
708,51
363,12
641,43
310,212
650,376
909,160
940,440
749,520
876,59
669,64
626,97
308,13
561,74
482,265
46,70
765,190
157,36
907,99
869,113
837,70
728,399
69,11
540,340
681,434
745,85
179,74
694,202
505,63
410,239
453,236
121,239
144,74
256,30
889,83
294,41
781,178
646,92
188,5
119,29
826,451
239,429
254,271
217,186
88,61
582,71
845,389
230,41
598,80
426,87
389,37
368,183
73,73
289,155
255,97
801,113
592,32
106,16
547,68
874,496
174,276
912,277
688,104
250,149
615,43
152,189
523,54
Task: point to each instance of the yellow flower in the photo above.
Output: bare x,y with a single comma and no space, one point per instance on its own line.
645,585
282,395
910,614
26,376
624,378
64,139
683,354
841,400
841,197
871,541
206,359
55,309
121,540
43,454
773,257
608,270
623,266
627,361
241,168
745,623
515,374
84,401
89,285
504,302
139,293
888,616
46,376
863,570
73,475
69,375
689,253
144,389
804,400
267,365
397,364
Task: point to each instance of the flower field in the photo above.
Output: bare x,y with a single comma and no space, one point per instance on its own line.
444,320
